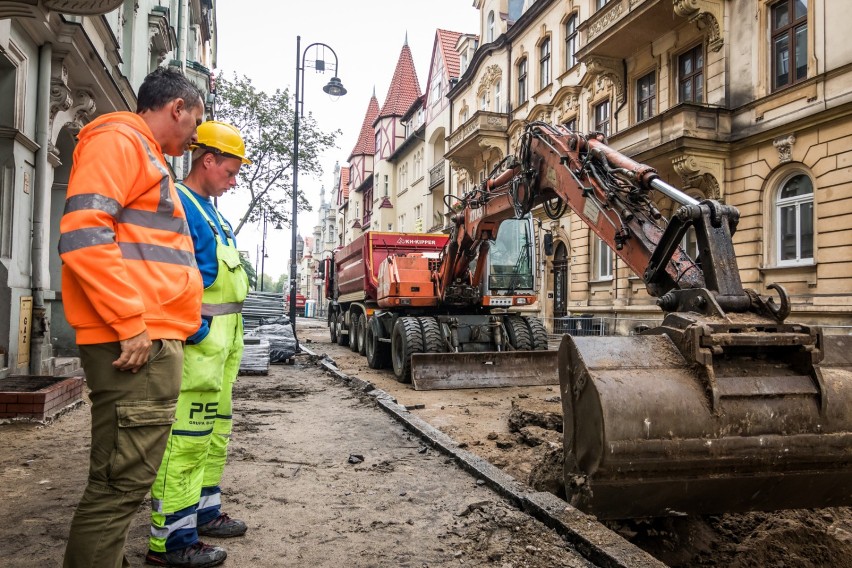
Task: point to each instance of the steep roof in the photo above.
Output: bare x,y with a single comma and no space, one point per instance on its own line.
447,42
366,144
343,188
404,87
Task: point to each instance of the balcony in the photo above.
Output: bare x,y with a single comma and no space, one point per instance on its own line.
680,126
436,175
623,27
688,142
199,75
484,130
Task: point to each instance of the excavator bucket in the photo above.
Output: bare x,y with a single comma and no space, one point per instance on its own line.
733,420
437,371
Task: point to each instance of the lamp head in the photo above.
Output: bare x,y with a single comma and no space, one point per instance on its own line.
335,88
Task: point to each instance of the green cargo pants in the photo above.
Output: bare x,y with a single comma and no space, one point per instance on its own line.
132,414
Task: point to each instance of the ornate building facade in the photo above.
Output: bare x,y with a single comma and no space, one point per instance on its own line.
63,63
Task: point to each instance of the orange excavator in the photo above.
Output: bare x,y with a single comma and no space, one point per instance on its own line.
724,407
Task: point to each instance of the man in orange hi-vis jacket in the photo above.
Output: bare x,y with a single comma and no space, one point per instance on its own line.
132,292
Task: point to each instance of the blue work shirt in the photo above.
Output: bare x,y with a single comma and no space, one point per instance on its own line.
205,245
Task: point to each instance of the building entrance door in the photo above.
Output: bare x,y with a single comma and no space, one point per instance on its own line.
560,286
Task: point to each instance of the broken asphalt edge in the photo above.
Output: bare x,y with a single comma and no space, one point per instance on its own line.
596,542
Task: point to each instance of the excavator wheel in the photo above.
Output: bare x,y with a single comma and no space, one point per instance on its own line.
342,338
362,334
432,340
354,338
538,334
332,327
519,333
406,339
377,352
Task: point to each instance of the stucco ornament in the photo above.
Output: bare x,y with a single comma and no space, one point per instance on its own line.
707,15
82,7
784,145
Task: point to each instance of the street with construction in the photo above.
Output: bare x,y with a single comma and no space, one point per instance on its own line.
333,463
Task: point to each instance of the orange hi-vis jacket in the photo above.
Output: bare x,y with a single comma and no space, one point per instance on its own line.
128,261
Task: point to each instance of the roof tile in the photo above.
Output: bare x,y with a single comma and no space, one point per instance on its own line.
404,88
366,145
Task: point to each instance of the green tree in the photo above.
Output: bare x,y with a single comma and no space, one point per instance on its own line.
252,275
268,284
282,282
266,124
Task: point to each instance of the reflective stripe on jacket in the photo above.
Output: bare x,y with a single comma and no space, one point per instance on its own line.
128,262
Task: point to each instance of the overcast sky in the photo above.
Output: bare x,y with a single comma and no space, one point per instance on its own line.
260,42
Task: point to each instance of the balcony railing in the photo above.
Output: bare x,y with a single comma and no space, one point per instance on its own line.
436,174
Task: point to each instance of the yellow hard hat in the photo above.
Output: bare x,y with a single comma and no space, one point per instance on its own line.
221,138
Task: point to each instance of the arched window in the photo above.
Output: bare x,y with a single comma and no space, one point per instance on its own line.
571,42
794,220
522,81
490,32
497,87
544,63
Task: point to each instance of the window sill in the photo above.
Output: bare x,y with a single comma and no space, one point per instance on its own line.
792,273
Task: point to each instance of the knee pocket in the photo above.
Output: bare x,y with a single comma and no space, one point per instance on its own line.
142,433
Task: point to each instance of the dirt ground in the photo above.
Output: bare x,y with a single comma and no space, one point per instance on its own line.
516,429
322,476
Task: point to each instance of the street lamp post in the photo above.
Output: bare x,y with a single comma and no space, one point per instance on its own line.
263,251
335,89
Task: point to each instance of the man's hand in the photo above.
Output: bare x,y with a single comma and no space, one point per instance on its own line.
134,353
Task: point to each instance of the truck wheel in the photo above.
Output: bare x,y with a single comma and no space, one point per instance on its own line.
378,353
362,334
538,334
432,340
342,338
354,338
332,327
406,339
519,333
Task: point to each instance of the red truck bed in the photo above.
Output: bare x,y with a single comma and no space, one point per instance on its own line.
357,264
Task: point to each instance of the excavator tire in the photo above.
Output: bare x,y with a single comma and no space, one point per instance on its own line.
342,338
538,334
519,333
332,327
377,352
406,339
432,340
362,334
354,338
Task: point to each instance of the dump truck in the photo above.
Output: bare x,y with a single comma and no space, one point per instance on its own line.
723,407
350,279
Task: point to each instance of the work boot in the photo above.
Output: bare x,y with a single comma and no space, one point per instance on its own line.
223,526
198,555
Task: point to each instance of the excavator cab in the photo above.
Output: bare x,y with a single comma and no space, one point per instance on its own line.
511,263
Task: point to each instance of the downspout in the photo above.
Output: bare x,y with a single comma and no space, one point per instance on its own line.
183,30
509,106
615,259
40,327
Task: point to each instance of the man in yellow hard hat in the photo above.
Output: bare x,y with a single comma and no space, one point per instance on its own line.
185,498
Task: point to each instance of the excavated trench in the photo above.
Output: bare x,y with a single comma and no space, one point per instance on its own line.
519,431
